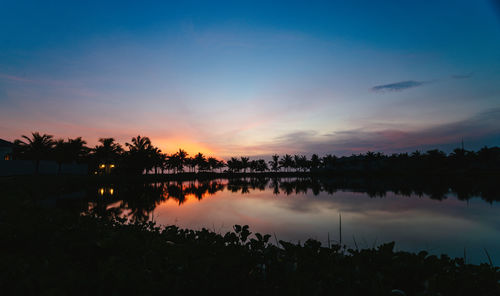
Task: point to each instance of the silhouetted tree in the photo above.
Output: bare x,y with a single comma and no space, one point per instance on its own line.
36,148
244,163
108,151
60,153
157,158
200,161
234,165
329,161
178,160
286,162
140,155
261,166
220,165
190,162
274,163
212,163
74,150
301,162
315,161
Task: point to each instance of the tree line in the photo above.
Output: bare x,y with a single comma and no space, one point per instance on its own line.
140,156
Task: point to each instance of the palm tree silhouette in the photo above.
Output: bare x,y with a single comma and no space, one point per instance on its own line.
181,154
60,153
200,161
77,149
72,150
286,162
140,154
329,161
253,165
157,159
139,144
212,163
220,165
36,148
108,152
234,164
274,163
244,163
190,163
262,165
315,162
300,163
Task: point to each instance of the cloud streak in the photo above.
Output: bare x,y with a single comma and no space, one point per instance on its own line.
15,78
478,129
462,76
398,86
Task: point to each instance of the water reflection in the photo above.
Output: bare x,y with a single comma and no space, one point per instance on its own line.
179,190
441,216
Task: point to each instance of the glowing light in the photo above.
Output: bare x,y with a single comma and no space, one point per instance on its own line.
111,165
102,166
111,191
101,191
172,145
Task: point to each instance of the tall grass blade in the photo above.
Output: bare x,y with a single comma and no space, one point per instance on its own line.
489,258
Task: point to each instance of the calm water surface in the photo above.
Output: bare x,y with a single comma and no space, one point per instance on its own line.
295,210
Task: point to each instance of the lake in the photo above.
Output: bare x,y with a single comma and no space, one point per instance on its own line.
458,220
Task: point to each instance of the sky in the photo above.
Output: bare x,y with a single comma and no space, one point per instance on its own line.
254,77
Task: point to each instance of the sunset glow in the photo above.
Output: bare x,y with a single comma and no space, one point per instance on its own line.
254,78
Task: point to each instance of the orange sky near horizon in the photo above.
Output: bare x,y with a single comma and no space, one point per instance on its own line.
172,145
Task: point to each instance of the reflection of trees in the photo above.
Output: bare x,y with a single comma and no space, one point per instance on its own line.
175,190
287,187
203,188
434,188
246,185
137,201
275,186
237,185
180,190
142,200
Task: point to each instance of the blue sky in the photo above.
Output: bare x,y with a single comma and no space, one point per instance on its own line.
254,78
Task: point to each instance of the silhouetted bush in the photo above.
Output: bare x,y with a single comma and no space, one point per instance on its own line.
52,252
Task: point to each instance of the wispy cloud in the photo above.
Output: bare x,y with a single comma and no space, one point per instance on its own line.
462,76
15,78
23,79
398,86
477,128
67,87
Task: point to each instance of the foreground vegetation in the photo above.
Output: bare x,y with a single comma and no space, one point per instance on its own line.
142,156
48,251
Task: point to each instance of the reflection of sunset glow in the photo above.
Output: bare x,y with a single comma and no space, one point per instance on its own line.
296,209
414,222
